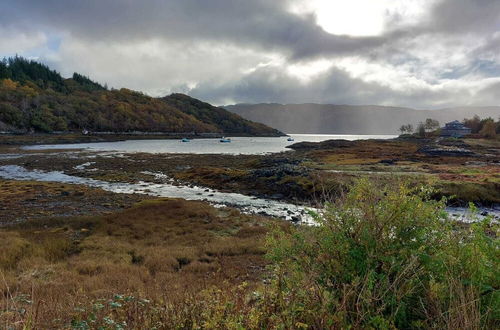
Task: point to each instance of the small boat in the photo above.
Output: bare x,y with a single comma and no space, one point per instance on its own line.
185,140
290,139
224,140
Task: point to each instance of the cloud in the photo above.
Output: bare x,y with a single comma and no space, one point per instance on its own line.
258,23
465,16
427,53
272,84
13,41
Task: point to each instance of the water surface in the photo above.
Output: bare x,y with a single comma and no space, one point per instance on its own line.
238,145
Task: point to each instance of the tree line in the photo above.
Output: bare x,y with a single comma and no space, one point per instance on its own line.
35,98
486,127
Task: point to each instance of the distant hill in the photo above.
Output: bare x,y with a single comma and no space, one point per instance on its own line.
34,97
347,119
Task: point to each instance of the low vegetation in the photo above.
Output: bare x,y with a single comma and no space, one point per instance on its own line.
381,257
486,127
386,257
164,250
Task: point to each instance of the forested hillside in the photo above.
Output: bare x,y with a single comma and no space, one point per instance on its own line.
34,97
207,113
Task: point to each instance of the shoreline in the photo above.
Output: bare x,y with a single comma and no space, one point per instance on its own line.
70,138
281,209
311,173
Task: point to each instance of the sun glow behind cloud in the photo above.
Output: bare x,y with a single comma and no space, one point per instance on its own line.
363,17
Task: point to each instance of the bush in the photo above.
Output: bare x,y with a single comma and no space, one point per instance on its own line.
386,258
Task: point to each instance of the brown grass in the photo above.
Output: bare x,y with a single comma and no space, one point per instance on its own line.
23,200
165,250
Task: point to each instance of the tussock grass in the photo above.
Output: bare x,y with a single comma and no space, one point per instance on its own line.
166,250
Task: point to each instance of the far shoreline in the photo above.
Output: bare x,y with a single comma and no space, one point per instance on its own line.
71,138
14,139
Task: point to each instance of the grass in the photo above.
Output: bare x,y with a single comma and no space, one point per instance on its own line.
165,250
23,200
461,193
381,257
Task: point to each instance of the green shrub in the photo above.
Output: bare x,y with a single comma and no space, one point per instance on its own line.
386,257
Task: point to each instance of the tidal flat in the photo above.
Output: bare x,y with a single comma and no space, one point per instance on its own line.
464,171
75,245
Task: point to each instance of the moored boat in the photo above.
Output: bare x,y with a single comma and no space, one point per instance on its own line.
224,140
185,140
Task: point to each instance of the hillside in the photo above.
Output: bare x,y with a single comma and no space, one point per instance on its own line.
35,98
347,119
229,122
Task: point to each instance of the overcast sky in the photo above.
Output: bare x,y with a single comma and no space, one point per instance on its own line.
415,53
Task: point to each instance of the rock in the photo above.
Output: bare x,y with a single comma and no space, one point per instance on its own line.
281,171
329,144
445,151
277,196
479,164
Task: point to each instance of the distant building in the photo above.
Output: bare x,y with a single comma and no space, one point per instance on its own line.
455,129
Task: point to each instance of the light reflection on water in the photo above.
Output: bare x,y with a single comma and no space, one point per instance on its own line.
238,145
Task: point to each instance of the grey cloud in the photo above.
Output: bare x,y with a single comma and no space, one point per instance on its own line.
465,16
257,23
336,86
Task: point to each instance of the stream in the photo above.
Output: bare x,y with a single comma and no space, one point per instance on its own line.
246,204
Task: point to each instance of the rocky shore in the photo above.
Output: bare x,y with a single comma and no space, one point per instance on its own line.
463,171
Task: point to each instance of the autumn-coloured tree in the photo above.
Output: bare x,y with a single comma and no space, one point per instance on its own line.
489,129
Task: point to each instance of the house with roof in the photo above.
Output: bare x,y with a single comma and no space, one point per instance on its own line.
455,129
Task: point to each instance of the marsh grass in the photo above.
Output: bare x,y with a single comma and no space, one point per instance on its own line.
381,257
164,250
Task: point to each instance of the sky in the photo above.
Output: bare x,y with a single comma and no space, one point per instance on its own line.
416,53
